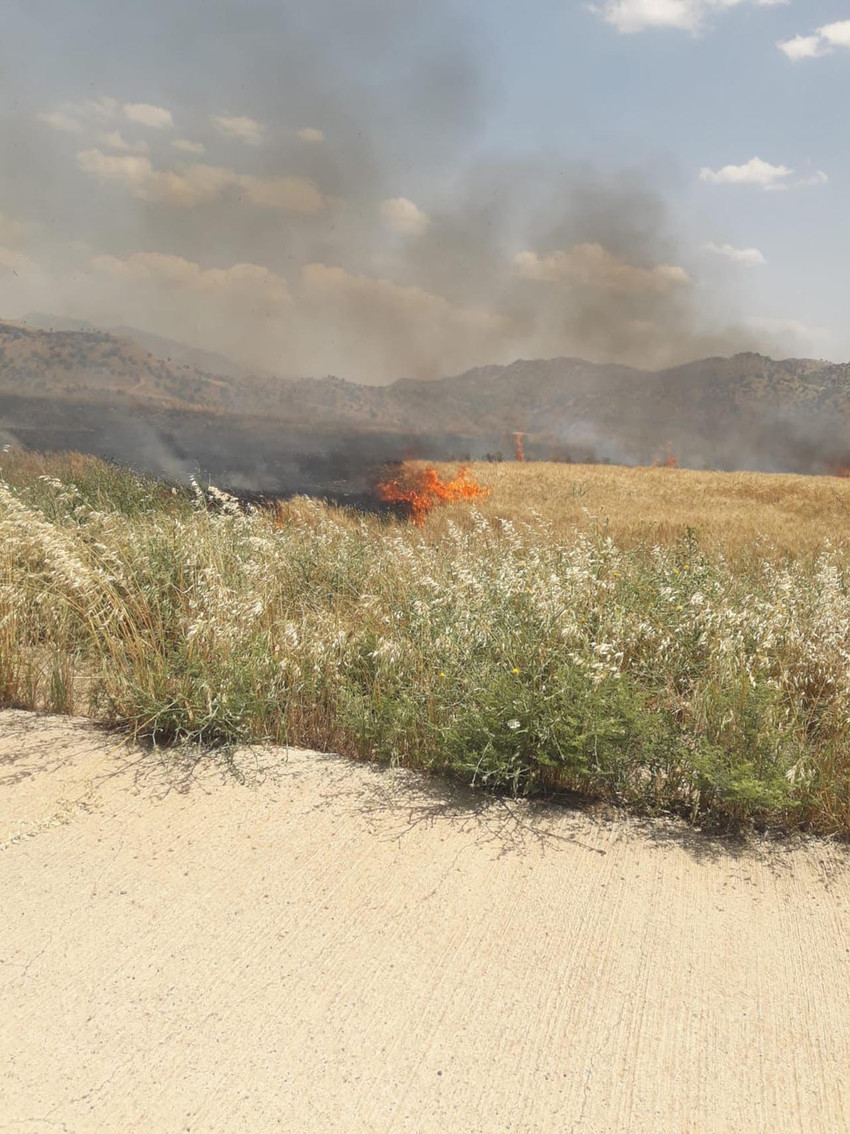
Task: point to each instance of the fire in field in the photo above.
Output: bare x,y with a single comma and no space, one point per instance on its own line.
418,490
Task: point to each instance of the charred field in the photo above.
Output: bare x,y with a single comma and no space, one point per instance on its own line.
251,456
667,640
102,394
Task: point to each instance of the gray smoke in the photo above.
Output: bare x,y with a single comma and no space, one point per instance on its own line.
494,260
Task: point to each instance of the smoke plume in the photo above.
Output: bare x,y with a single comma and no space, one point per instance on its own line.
309,189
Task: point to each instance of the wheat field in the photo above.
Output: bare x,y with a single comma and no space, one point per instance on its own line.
732,512
668,641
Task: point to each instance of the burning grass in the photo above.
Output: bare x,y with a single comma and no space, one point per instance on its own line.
417,490
521,656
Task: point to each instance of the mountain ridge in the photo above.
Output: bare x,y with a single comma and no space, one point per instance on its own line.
743,411
168,350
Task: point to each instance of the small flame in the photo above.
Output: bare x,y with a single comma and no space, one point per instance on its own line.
666,459
519,448
420,490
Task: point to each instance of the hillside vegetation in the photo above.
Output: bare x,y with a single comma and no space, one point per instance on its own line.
520,653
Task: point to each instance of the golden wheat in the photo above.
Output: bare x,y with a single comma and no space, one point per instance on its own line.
730,512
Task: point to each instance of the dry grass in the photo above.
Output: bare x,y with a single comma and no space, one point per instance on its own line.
575,632
732,513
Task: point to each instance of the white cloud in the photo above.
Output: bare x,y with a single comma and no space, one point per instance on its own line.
837,34
803,47
190,186
73,117
753,172
405,216
244,129
311,134
819,43
593,266
115,140
177,273
143,114
772,178
134,171
751,257
196,184
630,16
188,147
96,117
97,114
637,15
61,120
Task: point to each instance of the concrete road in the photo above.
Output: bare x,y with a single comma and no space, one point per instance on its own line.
295,942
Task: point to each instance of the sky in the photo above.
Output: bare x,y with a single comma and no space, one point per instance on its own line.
382,189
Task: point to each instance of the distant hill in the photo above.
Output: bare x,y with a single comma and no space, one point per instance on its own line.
748,411
168,350
40,321
171,350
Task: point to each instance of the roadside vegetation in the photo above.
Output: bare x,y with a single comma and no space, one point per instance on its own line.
518,648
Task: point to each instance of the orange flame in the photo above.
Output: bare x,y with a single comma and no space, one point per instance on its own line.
420,489
519,448
667,459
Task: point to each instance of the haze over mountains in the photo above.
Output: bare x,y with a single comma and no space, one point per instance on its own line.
169,350
105,393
